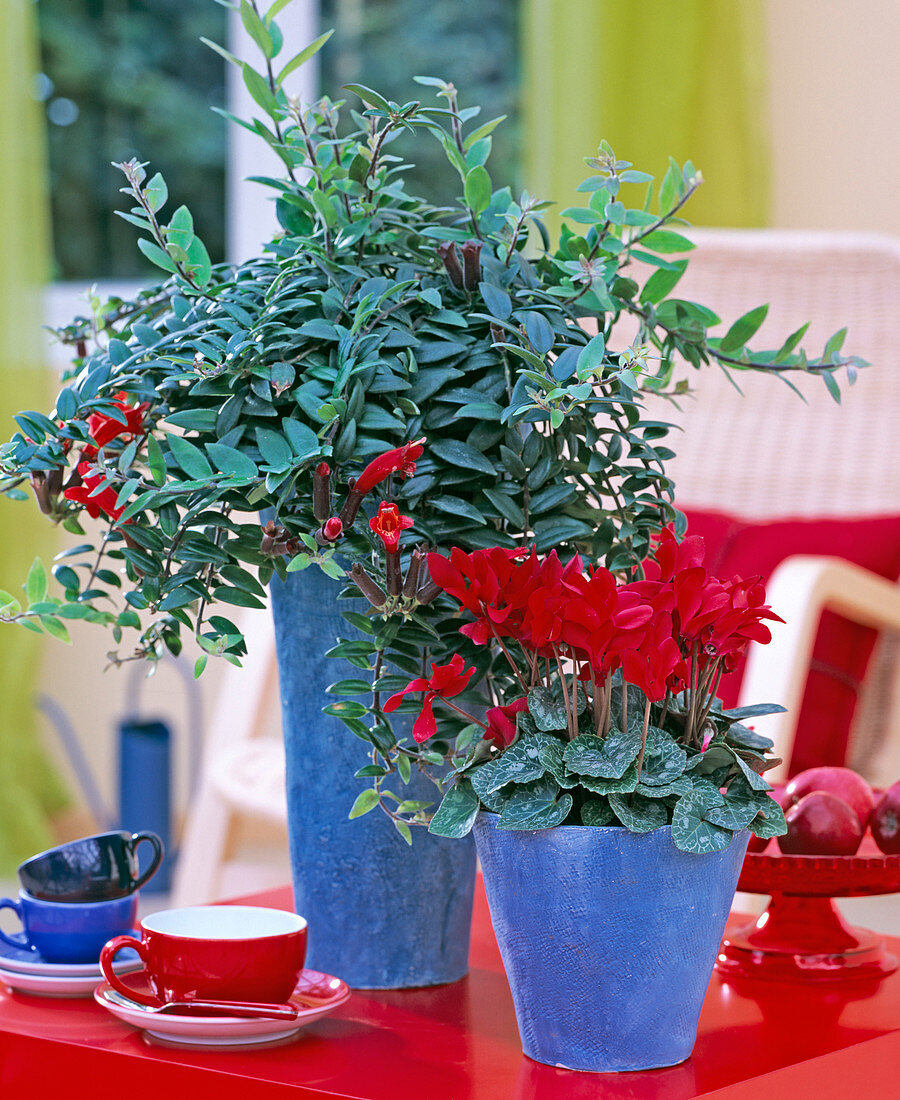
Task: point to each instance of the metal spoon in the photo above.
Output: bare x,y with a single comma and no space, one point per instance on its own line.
226,1008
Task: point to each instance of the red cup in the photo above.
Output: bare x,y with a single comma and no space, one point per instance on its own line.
214,952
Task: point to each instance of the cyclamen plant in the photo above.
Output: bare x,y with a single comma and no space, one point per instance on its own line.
616,722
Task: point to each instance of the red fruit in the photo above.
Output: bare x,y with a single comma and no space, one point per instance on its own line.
847,785
758,844
885,821
820,824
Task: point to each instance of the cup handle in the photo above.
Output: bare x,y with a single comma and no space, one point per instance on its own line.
158,851
109,952
20,941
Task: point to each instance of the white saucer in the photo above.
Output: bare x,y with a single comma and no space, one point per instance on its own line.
21,960
52,985
316,995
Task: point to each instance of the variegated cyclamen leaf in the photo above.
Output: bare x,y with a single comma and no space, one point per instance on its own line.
457,812
536,805
639,814
607,757
769,821
481,778
597,813
551,756
691,832
600,785
664,760
520,763
548,714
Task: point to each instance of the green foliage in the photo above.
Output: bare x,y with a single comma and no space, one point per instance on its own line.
375,318
545,779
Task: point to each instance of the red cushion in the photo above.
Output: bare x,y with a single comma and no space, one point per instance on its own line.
842,648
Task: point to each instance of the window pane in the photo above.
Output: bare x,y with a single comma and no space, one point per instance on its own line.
472,43
122,79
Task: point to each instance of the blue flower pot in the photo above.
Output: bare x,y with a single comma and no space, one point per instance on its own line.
381,915
608,939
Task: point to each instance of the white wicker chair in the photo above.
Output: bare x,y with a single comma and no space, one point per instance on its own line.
767,455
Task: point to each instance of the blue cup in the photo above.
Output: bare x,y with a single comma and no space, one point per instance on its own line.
68,932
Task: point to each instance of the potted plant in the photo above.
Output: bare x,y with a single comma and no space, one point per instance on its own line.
611,796
298,385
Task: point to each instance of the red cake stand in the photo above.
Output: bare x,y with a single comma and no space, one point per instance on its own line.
801,936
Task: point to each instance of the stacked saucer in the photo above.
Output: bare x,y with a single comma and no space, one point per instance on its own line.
315,996
25,971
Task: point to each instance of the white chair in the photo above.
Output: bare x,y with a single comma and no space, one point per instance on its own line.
242,773
766,455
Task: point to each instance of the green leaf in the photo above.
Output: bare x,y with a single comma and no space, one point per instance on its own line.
691,832
638,813
478,189
55,628
513,465
274,448
507,507
259,89
254,26
548,714
365,801
156,192
756,781
456,453
599,785
36,582
156,461
741,806
481,779
664,759
537,805
520,763
456,506
304,55
229,460
457,812
303,440
743,329
550,755
769,821
607,758
221,51
664,240
662,282
368,96
497,301
190,458
597,812
156,255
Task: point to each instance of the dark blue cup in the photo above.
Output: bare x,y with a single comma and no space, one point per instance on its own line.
94,868
68,932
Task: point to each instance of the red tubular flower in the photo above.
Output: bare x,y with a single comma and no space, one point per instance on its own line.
445,681
333,528
104,428
388,525
95,504
401,460
502,722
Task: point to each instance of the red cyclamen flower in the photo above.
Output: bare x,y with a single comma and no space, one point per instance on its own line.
388,525
94,503
445,681
401,460
501,727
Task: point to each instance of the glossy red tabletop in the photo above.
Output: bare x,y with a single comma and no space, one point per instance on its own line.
459,1042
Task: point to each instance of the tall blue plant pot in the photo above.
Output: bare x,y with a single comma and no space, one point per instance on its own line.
381,915
608,939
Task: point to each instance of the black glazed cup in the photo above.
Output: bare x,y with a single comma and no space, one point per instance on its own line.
94,868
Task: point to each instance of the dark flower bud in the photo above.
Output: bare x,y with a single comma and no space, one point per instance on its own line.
41,491
322,491
376,596
471,252
350,510
411,584
447,252
55,481
428,592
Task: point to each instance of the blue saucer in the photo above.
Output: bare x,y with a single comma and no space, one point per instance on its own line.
21,960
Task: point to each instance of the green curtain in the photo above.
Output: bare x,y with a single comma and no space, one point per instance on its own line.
28,791
655,78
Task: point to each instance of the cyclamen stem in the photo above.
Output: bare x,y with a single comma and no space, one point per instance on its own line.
565,692
463,713
507,655
644,728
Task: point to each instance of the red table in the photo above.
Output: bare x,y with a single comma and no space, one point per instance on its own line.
459,1042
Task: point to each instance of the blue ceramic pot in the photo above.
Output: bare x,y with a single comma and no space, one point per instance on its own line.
381,915
608,939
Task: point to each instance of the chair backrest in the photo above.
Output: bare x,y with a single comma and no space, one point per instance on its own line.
766,453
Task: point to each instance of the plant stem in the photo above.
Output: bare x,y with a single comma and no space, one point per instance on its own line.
644,728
